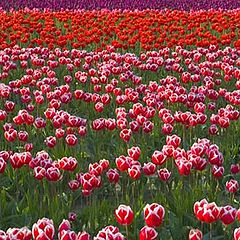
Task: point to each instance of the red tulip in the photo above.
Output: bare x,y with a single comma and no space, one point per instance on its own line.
206,212
232,186
104,163
82,131
51,141
67,235
59,133
164,174
68,163
217,171
148,233
64,225
235,168
23,136
43,229
28,147
19,233
3,115
184,166
236,234
199,163
213,130
154,214
199,107
86,192
3,235
9,106
53,174
110,124
168,150
238,214
148,126
39,123
95,169
134,153
89,181
113,175
109,232
50,113
158,158
195,234
16,160
134,172
124,215
74,185
126,134
122,163
99,107
83,236
10,135
71,139
134,126
215,157
3,165
173,140
98,124
167,129
149,168
5,155
227,214
64,232
224,122
39,172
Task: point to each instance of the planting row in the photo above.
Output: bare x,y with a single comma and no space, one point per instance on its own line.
124,29
200,155
126,4
153,214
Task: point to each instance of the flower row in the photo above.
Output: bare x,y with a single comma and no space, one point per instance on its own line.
153,215
147,29
197,158
126,4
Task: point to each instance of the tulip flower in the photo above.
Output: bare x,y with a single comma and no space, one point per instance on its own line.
195,234
164,174
124,215
148,233
83,236
206,212
232,186
154,214
236,234
43,229
227,214
113,175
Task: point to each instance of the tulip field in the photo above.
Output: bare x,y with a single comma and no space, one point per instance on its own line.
120,120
